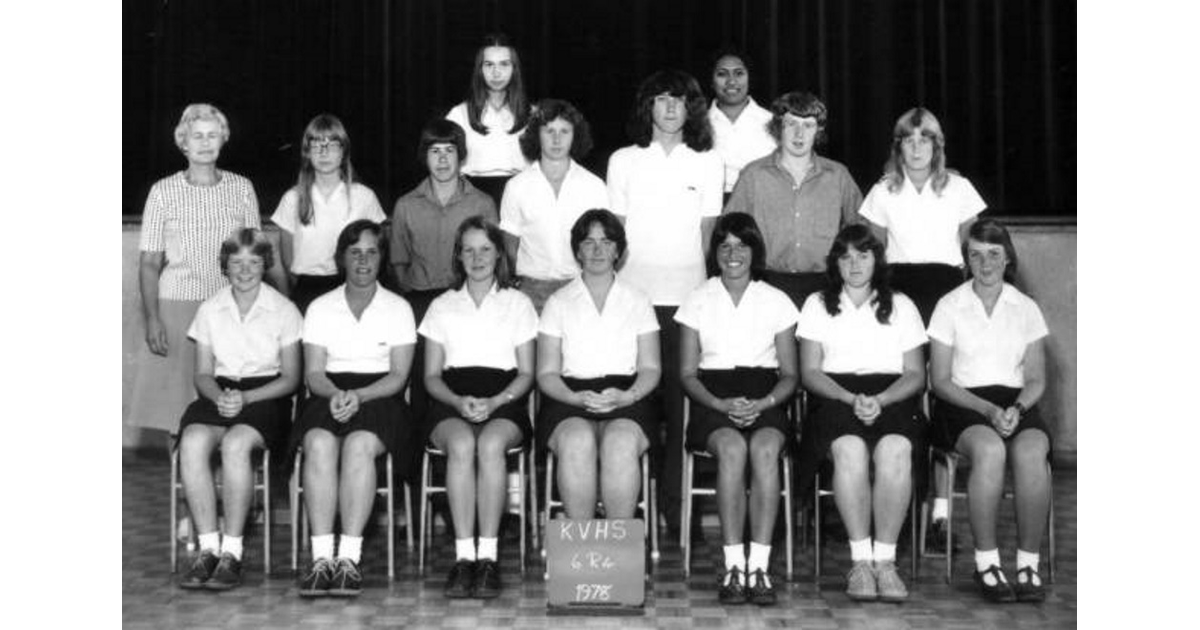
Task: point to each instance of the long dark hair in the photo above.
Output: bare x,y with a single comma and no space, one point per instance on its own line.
859,237
514,94
322,126
501,271
697,132
745,228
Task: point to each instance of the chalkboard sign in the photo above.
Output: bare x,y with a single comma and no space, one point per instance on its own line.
596,565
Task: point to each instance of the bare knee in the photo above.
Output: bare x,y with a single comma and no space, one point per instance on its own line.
196,445
729,447
1029,451
984,447
238,444
360,447
574,440
893,456
849,455
765,446
622,444
461,446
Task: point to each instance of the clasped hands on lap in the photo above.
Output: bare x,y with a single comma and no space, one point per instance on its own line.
604,401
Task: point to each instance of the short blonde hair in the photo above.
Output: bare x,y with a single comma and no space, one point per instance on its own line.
199,111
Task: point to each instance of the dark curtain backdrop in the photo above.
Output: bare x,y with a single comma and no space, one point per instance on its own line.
999,74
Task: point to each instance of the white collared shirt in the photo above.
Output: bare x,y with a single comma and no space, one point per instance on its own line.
496,153
737,336
922,227
742,141
246,347
987,350
663,198
480,336
361,345
854,342
542,220
594,343
313,245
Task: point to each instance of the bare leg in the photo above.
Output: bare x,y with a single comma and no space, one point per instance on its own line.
492,445
237,486
356,487
196,446
851,485
321,449
1031,482
730,449
765,445
456,439
621,445
574,444
986,450
893,486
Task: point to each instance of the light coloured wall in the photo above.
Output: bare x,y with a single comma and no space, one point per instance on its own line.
1047,273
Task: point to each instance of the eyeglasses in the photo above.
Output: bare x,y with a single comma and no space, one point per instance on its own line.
323,145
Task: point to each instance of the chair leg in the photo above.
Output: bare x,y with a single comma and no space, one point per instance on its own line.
391,521
787,512
522,500
817,530
408,517
685,513
534,515
425,534
549,494
1050,524
294,507
266,492
951,469
174,509
912,543
652,508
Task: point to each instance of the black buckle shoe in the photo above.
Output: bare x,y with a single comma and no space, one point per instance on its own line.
461,581
733,592
200,572
1029,591
1000,592
761,590
487,579
227,575
347,580
319,578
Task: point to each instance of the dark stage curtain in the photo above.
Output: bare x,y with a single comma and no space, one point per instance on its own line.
999,74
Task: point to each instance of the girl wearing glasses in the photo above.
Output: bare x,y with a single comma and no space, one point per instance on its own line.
494,115
312,213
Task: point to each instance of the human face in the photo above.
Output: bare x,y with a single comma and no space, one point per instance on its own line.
987,262
856,267
497,67
917,150
734,258
799,134
556,137
245,270
731,81
362,261
478,256
202,143
669,113
325,154
442,160
597,253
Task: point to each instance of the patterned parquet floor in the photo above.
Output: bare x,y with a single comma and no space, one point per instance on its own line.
151,599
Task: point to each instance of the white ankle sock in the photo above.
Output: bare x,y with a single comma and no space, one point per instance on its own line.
487,548
210,542
322,547
1028,559
464,549
985,559
232,545
941,509
884,552
350,547
760,555
860,550
735,556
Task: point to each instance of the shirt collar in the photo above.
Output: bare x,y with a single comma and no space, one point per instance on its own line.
819,163
844,300
264,301
463,294
425,189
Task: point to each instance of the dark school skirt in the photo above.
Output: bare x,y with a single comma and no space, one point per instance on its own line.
493,186
644,412
271,418
309,288
388,418
827,419
949,421
797,286
925,284
481,382
750,382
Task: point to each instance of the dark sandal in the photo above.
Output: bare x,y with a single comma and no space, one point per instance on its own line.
1001,591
